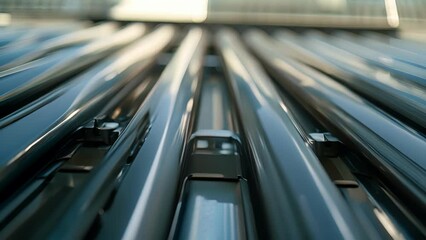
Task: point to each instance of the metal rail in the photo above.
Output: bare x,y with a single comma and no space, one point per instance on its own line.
22,84
281,160
21,43
177,137
395,149
408,100
166,112
62,41
350,43
74,104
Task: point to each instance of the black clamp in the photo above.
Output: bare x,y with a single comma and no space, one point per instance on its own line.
100,131
325,144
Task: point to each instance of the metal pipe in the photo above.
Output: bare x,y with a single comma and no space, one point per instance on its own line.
155,168
62,41
17,45
406,44
290,180
26,139
350,43
20,85
396,150
414,58
408,100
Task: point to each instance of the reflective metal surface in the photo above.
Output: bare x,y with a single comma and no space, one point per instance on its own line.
206,210
357,75
62,41
19,84
118,130
397,150
73,105
281,161
169,108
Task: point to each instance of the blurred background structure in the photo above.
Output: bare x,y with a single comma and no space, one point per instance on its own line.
212,119
323,13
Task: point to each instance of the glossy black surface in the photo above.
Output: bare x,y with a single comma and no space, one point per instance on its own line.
21,84
50,45
397,150
74,104
173,92
291,183
409,100
18,44
157,165
350,42
179,137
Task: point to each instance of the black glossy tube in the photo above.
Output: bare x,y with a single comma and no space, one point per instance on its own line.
37,50
290,181
17,45
408,100
22,84
26,139
351,43
396,150
153,176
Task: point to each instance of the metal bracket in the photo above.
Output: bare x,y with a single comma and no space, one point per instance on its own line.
100,131
214,153
325,144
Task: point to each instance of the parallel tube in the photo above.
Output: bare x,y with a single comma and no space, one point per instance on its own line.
19,85
24,43
351,44
290,180
79,101
414,58
395,149
409,100
76,37
153,175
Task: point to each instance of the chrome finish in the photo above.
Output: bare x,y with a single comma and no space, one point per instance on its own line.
396,150
74,104
281,160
